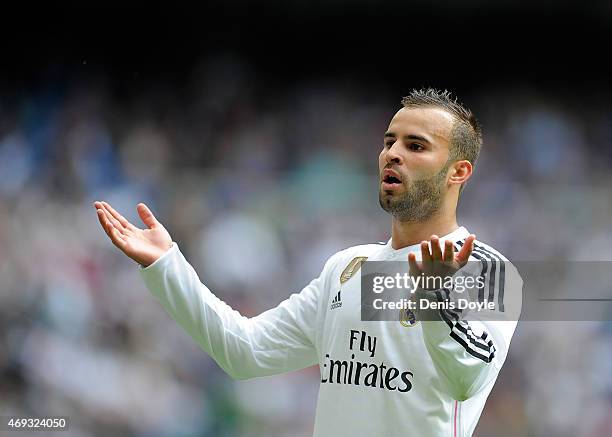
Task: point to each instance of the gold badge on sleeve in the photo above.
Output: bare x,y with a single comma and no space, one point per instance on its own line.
352,268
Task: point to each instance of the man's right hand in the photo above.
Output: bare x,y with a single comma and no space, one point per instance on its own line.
144,246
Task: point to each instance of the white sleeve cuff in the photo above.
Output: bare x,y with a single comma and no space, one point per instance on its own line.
160,263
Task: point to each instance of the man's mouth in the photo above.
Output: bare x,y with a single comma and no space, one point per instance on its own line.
390,180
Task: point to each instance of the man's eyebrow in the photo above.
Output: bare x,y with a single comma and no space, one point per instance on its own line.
409,137
417,137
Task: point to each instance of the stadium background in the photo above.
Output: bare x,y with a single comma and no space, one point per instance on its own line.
253,133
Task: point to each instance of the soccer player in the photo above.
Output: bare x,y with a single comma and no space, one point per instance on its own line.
408,377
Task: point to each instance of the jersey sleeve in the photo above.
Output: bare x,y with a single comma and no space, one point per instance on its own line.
278,340
468,348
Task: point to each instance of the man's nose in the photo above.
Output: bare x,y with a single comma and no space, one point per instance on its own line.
393,156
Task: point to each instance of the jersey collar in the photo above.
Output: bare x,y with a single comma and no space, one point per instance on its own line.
390,253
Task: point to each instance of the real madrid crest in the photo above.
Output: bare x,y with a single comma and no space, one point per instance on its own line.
352,268
407,318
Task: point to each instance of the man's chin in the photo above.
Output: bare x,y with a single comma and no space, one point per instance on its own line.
390,194
388,201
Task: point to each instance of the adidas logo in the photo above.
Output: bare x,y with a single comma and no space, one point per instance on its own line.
337,302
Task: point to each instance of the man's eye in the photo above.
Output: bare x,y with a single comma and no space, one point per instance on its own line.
416,147
388,143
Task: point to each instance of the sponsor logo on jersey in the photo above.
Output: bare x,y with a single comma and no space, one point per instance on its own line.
337,301
363,369
352,268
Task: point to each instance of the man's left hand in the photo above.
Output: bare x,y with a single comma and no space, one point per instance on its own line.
435,264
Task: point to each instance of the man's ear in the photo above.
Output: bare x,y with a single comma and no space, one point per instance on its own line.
461,171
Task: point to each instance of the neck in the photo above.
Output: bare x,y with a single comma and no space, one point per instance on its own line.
404,234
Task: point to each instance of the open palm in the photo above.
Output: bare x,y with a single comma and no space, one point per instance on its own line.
144,246
435,263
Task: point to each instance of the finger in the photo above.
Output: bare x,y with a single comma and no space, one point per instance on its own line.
99,207
436,253
147,216
414,268
118,239
112,219
104,222
466,250
108,227
115,236
126,224
449,251
425,255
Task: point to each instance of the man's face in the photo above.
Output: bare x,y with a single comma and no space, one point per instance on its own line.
413,163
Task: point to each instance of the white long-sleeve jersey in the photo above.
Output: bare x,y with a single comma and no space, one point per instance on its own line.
401,378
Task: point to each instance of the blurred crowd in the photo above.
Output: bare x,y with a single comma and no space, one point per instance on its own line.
259,186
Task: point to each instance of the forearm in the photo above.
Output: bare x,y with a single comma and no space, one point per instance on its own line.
466,354
215,326
264,345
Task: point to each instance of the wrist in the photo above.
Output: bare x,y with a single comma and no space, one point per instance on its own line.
152,258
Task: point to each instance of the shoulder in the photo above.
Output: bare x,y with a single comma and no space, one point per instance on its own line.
482,251
352,255
489,261
362,250
497,279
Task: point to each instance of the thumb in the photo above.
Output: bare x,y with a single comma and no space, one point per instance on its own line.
414,269
147,216
464,254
